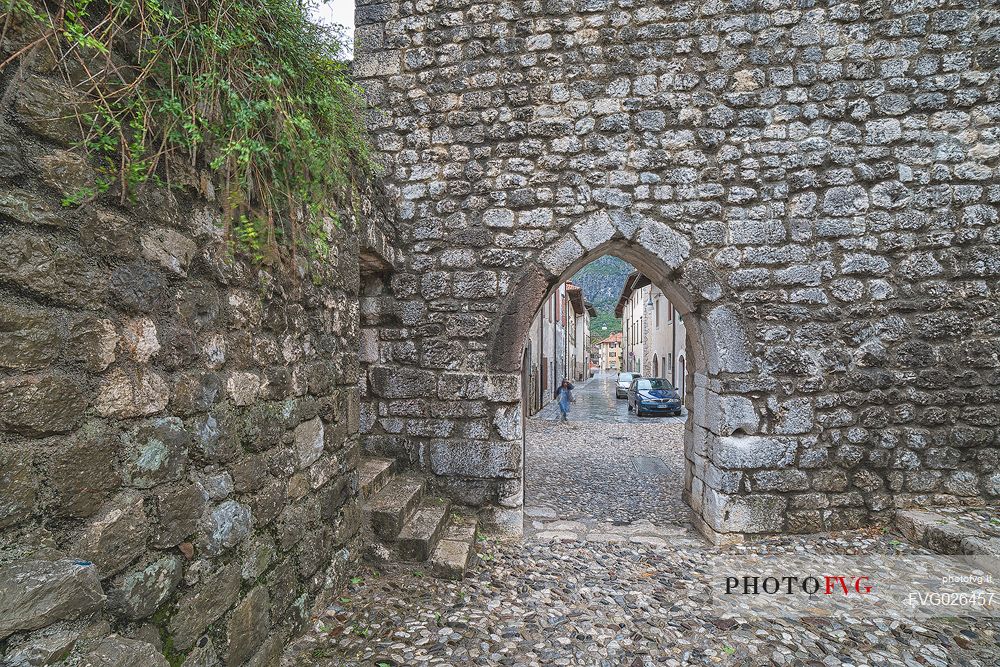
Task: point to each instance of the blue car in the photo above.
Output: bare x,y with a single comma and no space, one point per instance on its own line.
653,396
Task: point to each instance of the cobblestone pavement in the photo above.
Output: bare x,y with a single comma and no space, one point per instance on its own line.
616,605
607,475
610,575
593,471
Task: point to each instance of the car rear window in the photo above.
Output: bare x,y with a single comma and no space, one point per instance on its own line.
654,383
622,377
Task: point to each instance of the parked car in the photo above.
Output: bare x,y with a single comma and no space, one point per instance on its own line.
624,382
653,396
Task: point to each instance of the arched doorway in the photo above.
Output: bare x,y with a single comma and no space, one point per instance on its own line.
656,366
717,342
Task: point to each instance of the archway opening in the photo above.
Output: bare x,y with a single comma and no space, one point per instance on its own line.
609,462
718,368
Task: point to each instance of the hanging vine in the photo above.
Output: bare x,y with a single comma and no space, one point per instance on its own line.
253,90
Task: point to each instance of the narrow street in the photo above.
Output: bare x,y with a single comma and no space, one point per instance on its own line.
596,402
607,475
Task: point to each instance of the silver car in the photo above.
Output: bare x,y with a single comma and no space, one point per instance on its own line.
624,382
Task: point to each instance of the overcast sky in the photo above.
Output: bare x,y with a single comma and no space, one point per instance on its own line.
337,12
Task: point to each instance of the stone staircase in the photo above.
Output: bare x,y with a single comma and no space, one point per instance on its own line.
413,525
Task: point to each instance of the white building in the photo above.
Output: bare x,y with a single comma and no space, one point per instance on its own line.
653,334
610,353
558,346
578,361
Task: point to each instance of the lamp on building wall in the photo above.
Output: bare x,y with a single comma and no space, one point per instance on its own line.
649,302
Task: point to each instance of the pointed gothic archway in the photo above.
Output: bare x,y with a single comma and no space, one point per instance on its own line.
718,345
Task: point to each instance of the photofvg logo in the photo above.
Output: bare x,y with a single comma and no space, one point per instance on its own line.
810,585
879,586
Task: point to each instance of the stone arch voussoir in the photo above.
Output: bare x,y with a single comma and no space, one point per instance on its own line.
719,343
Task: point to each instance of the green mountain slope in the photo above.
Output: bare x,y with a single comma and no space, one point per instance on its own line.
602,282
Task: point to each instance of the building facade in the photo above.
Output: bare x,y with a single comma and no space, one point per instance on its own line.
609,353
578,349
557,345
653,333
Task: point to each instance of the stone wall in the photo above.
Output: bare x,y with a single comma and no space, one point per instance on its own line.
178,430
813,183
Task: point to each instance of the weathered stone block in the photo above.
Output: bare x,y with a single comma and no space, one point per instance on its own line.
30,338
115,651
28,208
37,593
83,470
561,255
194,392
845,201
665,243
92,342
138,392
143,591
248,627
309,442
747,452
243,387
507,422
68,173
137,287
379,64
117,537
389,382
780,480
200,608
18,486
169,249
728,415
475,459
830,480
503,388
962,483
759,513
808,521
50,648
46,106
155,452
58,272
42,404
794,417
728,347
177,511
723,481
138,340
596,230
225,526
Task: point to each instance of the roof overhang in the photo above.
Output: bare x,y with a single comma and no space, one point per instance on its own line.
575,295
635,280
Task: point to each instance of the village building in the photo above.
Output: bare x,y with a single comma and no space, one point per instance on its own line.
653,333
609,353
558,345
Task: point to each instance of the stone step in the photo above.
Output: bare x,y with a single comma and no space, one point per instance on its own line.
392,506
452,555
421,533
373,474
946,532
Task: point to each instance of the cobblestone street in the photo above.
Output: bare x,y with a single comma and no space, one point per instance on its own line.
610,574
607,473
617,605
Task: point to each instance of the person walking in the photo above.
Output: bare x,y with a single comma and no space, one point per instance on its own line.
565,395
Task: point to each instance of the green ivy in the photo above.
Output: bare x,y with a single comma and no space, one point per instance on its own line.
253,90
